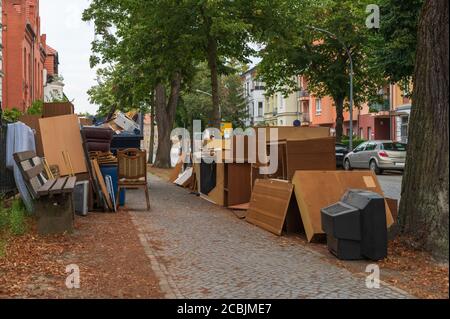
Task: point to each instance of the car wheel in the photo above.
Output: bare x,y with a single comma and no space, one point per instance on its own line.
347,165
374,168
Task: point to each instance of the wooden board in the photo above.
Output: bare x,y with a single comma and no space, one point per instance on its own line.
238,187
57,109
269,204
313,154
102,184
298,133
315,190
62,134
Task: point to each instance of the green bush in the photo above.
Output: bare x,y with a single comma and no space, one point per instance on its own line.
356,141
11,115
12,219
36,108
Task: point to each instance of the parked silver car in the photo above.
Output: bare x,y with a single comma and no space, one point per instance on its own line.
377,156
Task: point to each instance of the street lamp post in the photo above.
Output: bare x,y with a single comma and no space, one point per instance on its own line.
351,78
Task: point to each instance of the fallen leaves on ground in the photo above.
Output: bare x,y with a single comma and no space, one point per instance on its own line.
415,271
106,248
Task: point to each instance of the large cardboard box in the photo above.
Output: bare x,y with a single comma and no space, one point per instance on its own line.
315,190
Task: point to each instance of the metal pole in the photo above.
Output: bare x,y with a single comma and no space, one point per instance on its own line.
351,100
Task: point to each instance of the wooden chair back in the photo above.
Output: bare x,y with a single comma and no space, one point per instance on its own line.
132,165
32,170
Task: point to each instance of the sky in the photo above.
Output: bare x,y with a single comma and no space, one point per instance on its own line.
71,37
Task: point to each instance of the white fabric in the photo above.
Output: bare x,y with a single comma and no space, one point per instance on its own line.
19,138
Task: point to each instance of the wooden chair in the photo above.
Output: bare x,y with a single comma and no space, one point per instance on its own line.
132,172
53,197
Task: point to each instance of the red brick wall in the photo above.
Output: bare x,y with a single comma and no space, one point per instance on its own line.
23,58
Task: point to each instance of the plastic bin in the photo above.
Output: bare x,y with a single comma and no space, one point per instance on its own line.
111,170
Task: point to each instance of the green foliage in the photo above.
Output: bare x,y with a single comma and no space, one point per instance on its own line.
396,41
356,141
35,108
12,219
294,48
196,103
11,115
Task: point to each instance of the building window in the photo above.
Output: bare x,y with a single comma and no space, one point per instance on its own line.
369,134
404,129
361,133
260,108
318,106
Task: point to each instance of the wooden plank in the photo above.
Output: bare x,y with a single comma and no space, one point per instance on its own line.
58,187
24,156
238,184
298,133
315,190
33,171
70,185
62,134
44,189
269,204
102,184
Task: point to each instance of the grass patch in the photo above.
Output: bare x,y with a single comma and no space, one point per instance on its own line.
12,218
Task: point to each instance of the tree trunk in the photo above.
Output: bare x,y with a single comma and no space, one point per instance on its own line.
165,115
339,118
212,63
151,147
424,205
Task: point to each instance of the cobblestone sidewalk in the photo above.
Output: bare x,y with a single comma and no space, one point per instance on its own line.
200,250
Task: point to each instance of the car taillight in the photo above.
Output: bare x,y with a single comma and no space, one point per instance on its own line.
383,154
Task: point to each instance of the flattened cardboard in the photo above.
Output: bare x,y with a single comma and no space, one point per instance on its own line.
176,171
315,190
62,134
185,179
269,204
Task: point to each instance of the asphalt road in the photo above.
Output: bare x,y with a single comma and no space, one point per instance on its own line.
391,183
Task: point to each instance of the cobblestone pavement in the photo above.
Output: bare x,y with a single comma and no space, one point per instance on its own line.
391,183
200,250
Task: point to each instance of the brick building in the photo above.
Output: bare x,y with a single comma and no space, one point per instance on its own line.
24,54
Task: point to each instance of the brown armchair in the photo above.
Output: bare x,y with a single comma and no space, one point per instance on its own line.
132,171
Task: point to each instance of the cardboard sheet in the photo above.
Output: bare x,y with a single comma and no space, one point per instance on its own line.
315,190
62,134
269,204
185,179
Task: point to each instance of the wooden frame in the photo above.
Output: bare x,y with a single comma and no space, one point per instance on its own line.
132,172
